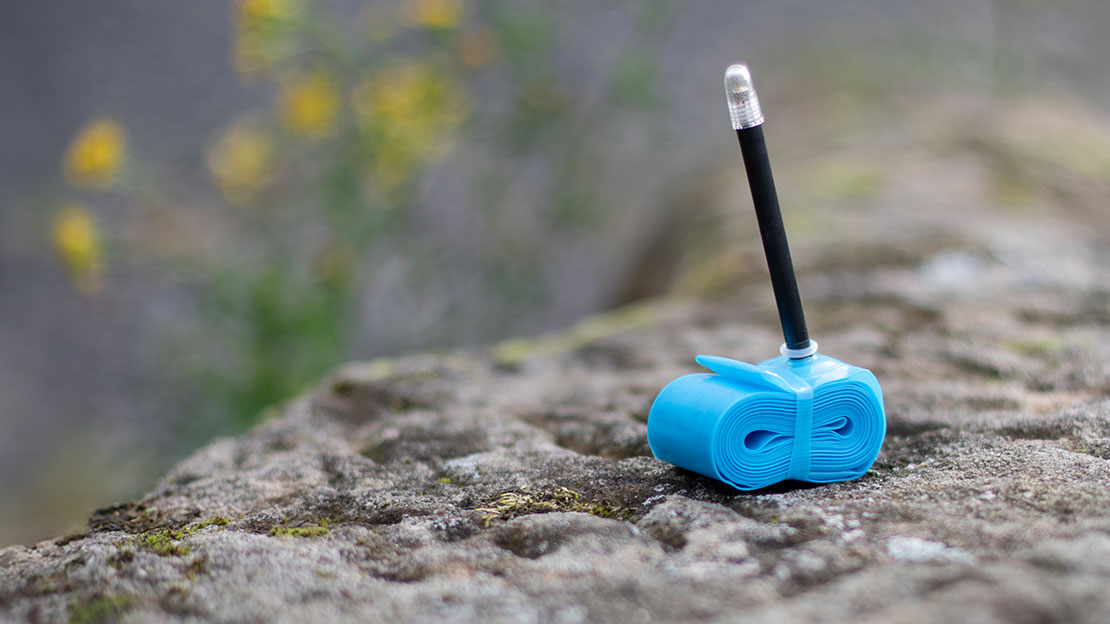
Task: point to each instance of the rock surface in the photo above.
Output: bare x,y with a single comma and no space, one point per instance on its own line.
516,485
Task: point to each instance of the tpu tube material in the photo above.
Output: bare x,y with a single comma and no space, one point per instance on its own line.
815,419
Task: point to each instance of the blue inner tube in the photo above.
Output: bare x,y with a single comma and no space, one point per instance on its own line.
815,419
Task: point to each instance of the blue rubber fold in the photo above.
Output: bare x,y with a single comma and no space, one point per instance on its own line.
813,419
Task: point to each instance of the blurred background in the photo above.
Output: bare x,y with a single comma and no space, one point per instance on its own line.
206,206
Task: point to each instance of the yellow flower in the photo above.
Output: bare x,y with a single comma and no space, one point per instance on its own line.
241,160
408,112
439,14
254,12
77,242
309,104
95,155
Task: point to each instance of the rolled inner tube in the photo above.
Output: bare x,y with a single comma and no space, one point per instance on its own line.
815,419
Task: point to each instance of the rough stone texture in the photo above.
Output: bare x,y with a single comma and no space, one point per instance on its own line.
515,484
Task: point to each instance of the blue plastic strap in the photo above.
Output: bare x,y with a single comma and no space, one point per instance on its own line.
801,451
803,434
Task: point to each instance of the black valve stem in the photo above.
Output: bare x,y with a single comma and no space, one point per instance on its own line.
747,120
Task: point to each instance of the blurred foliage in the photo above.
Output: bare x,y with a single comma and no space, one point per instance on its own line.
313,186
